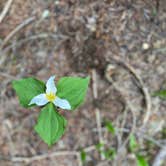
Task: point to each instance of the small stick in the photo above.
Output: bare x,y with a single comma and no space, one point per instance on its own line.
142,86
160,158
137,132
5,10
98,118
51,155
99,128
90,148
44,156
128,106
35,37
3,74
94,86
17,29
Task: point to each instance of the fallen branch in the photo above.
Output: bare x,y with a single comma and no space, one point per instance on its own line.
5,10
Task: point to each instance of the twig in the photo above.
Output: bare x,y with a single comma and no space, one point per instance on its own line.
17,29
5,10
142,86
35,37
98,120
90,148
44,156
146,137
11,144
160,50
103,163
128,106
51,155
161,156
94,86
7,76
137,133
6,124
123,123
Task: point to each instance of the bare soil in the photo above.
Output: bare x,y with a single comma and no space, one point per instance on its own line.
80,38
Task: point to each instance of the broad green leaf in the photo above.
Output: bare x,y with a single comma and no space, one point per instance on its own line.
83,156
132,143
161,94
28,88
110,127
50,125
141,161
73,89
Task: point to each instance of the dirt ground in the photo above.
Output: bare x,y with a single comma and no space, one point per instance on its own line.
120,44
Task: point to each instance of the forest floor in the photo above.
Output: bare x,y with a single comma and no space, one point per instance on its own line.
120,44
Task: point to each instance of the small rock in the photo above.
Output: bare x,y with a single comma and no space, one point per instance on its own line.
57,2
145,46
45,14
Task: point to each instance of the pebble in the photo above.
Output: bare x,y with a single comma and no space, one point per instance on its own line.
45,14
145,46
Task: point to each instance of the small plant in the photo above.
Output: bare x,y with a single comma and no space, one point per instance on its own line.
134,148
83,155
109,153
161,94
110,127
68,94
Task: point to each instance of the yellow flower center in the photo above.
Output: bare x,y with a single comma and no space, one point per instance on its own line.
50,96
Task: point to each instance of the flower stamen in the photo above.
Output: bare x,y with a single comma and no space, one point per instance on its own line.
50,96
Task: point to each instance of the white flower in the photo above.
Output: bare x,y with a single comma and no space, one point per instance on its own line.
50,96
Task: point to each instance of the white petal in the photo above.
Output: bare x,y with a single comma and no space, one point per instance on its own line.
62,103
39,100
50,85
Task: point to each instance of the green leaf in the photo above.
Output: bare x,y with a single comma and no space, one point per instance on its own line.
161,94
28,88
141,161
110,127
73,89
99,146
83,156
51,125
132,143
109,154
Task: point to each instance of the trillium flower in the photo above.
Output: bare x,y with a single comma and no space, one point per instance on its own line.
50,96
